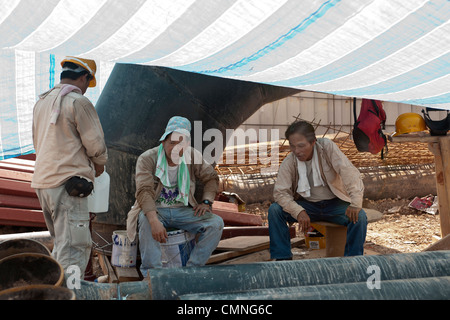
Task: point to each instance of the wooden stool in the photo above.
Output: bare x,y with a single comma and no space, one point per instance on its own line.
336,237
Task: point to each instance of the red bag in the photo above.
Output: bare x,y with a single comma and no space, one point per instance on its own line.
367,130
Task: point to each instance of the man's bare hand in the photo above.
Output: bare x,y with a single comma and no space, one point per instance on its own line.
159,232
352,213
99,168
303,221
201,209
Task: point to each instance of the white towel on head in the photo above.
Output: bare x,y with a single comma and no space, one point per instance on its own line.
303,187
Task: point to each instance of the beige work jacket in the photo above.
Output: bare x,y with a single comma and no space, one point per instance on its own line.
70,146
148,186
342,177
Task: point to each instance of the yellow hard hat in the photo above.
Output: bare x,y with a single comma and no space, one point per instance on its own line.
87,64
409,122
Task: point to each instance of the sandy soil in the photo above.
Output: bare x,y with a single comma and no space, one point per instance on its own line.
402,229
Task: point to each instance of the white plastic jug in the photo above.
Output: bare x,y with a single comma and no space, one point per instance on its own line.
98,200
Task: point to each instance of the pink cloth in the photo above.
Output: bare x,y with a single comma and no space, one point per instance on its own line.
65,89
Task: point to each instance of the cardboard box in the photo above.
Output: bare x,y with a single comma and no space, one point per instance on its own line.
315,237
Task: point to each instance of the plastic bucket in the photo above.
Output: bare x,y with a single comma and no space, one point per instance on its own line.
177,250
15,246
26,269
38,292
124,252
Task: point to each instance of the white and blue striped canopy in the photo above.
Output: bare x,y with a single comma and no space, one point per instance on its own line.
391,50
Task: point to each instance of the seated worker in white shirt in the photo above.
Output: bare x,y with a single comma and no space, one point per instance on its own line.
316,182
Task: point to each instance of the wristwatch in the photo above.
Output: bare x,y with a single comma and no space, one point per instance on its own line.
207,202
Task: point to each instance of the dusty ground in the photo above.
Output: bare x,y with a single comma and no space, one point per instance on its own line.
402,229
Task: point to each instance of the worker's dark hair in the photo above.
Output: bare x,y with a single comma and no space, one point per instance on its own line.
72,74
301,127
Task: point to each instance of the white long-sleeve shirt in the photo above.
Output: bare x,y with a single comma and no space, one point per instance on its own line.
341,176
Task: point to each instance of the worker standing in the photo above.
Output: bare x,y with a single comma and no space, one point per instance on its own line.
70,153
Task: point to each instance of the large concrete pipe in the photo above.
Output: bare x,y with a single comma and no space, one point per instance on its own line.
16,246
170,284
28,269
405,289
166,284
137,103
43,237
38,292
100,291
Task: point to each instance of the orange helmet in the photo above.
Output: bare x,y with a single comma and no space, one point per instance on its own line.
409,122
87,64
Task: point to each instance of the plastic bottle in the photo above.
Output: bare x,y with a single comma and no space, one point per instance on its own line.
98,200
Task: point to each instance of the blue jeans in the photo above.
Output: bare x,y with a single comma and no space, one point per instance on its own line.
209,227
328,210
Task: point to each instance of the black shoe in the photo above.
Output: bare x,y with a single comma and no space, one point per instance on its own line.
283,259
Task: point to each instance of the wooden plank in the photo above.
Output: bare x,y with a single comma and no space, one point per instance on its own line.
235,231
443,244
219,257
222,205
243,243
18,188
19,202
20,162
101,262
30,156
260,255
230,214
16,167
238,218
441,157
21,217
16,175
414,137
127,274
444,212
107,269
